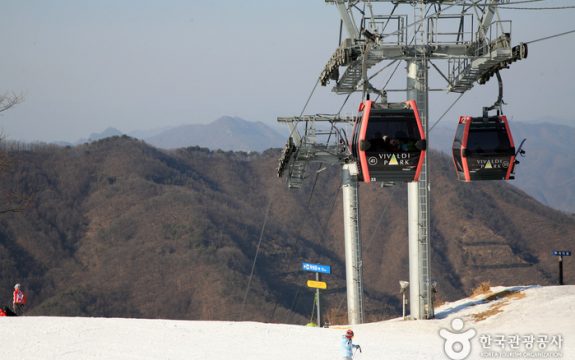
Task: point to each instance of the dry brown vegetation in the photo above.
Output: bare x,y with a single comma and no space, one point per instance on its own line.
502,299
482,289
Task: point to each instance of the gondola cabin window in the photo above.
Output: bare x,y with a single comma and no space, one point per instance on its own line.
488,141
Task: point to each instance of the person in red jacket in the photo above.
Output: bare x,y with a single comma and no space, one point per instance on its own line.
18,300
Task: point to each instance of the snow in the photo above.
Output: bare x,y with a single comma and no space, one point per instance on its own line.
541,311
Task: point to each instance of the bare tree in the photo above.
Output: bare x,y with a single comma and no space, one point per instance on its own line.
12,202
9,100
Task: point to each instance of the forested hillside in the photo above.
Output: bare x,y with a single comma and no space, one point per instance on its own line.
120,228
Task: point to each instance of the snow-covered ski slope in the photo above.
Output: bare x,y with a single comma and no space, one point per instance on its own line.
501,323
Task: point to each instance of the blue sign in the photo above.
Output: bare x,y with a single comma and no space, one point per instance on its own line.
324,269
562,253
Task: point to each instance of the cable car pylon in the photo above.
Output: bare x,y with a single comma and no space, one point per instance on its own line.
470,54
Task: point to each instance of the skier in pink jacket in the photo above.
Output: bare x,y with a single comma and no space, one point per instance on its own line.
18,300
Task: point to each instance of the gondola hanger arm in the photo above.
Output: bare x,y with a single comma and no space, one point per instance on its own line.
498,105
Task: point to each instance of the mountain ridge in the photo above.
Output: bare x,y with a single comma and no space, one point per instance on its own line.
225,133
548,147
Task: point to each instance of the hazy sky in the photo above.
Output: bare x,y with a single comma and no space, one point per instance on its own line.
85,65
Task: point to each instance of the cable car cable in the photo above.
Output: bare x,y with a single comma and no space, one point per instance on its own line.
309,98
391,76
389,17
383,212
383,68
445,113
537,8
566,182
293,304
551,36
520,2
439,72
255,259
344,102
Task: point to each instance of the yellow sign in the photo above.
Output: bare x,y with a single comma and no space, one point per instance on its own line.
317,284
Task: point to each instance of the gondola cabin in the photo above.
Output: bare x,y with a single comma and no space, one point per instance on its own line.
483,149
388,143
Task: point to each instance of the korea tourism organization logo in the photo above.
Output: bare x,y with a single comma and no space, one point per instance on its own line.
458,344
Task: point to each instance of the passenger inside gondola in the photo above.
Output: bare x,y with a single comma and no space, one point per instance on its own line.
376,143
394,145
385,143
